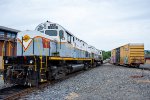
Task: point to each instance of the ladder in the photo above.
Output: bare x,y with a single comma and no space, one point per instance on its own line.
43,69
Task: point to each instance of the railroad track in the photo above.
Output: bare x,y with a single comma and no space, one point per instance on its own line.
134,67
12,92
144,68
15,92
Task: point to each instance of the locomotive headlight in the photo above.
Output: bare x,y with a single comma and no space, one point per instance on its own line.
31,61
6,61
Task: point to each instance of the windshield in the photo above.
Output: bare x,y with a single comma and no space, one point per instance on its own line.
51,32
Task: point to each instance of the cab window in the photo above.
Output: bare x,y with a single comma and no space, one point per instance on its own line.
51,32
69,38
9,35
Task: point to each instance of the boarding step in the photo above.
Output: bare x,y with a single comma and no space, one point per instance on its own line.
43,76
43,70
43,80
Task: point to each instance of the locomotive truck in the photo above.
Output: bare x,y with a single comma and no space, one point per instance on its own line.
48,53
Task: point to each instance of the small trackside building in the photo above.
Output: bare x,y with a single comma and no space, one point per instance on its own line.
147,59
7,43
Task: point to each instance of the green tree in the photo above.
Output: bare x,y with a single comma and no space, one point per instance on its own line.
147,52
106,54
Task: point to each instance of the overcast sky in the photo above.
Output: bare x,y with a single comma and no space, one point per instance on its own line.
105,24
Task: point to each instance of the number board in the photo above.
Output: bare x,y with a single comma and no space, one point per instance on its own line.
52,26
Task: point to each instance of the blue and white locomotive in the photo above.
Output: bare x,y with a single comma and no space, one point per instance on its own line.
49,52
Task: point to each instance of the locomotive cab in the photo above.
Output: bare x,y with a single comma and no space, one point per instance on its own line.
53,30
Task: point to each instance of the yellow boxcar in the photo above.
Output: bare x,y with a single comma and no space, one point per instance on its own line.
131,54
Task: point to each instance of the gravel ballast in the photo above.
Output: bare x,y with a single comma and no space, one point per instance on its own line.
2,85
107,82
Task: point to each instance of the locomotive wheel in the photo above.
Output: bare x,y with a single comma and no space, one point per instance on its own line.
59,73
95,64
86,66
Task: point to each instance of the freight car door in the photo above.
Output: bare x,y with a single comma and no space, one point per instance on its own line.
118,56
